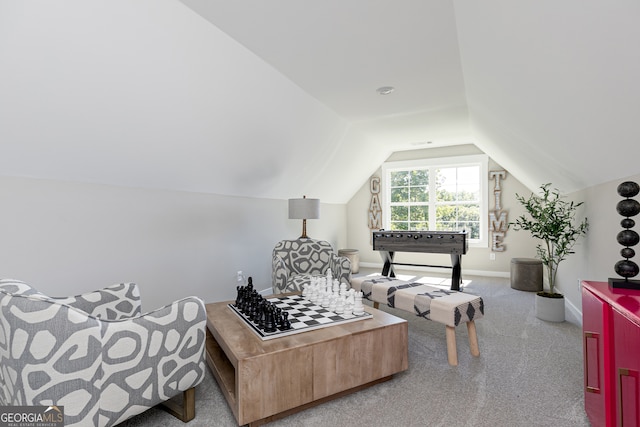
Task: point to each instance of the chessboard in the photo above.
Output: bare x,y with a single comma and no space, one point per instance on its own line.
304,316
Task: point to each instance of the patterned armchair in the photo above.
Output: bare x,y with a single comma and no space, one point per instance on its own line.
96,355
294,262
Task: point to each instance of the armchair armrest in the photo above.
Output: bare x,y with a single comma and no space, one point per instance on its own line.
341,268
153,357
120,301
279,274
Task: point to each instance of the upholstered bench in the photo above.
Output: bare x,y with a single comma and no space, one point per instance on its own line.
430,302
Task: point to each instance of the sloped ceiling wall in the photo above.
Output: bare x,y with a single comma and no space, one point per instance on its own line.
552,87
146,93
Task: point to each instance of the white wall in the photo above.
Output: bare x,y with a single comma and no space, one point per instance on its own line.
69,238
597,254
146,93
477,259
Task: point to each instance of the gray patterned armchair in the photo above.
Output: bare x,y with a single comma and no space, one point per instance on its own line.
96,355
294,262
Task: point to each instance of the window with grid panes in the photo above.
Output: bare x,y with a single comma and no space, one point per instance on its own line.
445,194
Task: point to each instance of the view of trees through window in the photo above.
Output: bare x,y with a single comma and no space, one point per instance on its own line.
436,198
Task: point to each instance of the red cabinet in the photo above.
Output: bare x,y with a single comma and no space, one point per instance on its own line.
611,345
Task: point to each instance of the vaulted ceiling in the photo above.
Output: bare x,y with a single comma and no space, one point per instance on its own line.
278,98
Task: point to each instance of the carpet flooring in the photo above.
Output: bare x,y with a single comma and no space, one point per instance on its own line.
529,373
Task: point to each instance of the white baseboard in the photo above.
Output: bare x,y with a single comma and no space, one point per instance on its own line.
575,313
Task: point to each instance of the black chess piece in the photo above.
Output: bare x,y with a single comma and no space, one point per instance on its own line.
279,318
286,324
270,321
252,313
261,315
238,295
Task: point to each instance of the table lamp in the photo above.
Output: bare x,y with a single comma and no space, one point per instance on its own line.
304,209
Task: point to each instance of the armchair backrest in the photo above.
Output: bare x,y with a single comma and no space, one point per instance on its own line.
95,354
41,340
304,255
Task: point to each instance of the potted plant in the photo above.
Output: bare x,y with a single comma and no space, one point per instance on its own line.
551,219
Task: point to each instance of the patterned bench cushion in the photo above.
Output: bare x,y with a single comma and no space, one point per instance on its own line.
440,305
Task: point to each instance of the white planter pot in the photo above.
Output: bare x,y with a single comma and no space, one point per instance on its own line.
550,309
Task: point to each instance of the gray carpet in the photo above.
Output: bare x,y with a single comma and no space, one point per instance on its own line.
529,373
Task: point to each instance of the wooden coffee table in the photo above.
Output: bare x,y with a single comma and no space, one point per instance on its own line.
266,380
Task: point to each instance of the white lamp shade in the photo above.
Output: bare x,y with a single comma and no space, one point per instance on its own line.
304,208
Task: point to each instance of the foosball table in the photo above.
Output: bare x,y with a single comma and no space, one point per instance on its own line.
439,242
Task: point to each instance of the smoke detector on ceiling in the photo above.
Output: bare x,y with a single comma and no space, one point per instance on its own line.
385,90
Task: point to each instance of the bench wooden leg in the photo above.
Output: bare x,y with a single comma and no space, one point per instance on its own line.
376,305
473,338
452,351
185,412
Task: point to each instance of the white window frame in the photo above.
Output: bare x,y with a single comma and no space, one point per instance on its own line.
480,160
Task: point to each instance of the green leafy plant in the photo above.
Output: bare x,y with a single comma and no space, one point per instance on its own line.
551,219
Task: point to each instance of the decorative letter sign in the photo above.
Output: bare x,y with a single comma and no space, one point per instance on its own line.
375,209
497,217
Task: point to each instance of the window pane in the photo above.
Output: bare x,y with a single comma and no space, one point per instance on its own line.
419,194
458,184
399,195
446,184
469,213
402,226
420,177
419,213
419,226
399,213
400,179
468,185
446,213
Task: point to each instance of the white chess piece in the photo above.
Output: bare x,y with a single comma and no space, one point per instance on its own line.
313,294
334,302
343,289
351,296
348,309
358,307
325,299
340,305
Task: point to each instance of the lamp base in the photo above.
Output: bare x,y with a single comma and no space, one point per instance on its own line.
624,283
304,230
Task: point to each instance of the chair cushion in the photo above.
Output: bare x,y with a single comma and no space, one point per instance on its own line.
305,256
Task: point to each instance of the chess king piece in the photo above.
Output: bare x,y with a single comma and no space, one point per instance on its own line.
329,276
